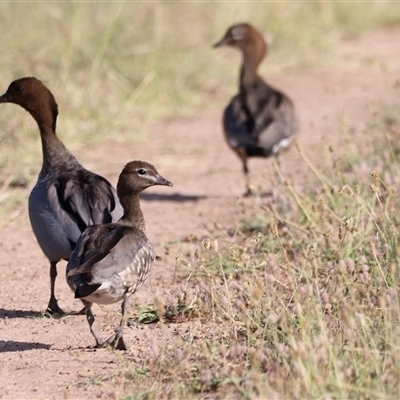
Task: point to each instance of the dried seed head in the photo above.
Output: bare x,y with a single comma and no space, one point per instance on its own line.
274,229
375,175
207,244
348,222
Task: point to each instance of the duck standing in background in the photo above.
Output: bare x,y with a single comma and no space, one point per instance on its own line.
110,262
67,197
259,121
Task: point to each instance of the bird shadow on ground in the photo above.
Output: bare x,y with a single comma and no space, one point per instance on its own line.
8,346
20,314
171,197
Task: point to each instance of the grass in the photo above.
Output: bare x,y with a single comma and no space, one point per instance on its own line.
304,301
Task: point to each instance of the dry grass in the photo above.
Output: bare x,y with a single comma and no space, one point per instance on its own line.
303,303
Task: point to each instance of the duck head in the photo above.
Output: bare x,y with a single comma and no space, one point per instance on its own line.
31,94
138,176
245,38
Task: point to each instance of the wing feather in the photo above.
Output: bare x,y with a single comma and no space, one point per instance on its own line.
259,117
94,245
121,256
87,198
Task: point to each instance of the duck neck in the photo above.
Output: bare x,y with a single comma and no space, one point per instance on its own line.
133,215
55,154
252,58
248,73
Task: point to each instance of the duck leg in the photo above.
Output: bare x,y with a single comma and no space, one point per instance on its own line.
53,307
116,340
249,188
91,320
241,152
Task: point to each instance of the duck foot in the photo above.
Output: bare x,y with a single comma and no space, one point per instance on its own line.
120,345
249,192
80,312
53,308
115,342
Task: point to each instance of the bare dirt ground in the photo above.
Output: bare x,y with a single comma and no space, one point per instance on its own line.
51,358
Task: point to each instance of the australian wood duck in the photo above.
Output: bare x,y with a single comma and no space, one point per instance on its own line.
67,197
259,121
111,261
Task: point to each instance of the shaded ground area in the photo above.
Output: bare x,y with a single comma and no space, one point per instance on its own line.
51,358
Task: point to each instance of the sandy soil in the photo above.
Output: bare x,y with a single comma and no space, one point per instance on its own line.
52,358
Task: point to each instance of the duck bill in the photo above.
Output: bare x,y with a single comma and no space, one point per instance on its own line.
162,181
223,42
4,99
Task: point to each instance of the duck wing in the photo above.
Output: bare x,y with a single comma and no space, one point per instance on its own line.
238,125
95,244
87,198
108,250
259,117
105,250
272,114
249,113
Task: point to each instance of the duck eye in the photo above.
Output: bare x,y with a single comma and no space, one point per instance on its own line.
238,33
141,171
14,89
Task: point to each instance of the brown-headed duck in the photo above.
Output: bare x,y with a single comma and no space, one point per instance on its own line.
259,121
67,197
111,261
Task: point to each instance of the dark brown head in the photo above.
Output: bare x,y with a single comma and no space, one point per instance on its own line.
138,176
31,94
244,37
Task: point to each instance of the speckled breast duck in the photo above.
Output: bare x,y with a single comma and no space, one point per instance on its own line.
111,261
67,197
259,121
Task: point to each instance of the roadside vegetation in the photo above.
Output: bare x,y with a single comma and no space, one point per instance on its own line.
304,302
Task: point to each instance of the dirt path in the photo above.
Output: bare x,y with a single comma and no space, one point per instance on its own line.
49,358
